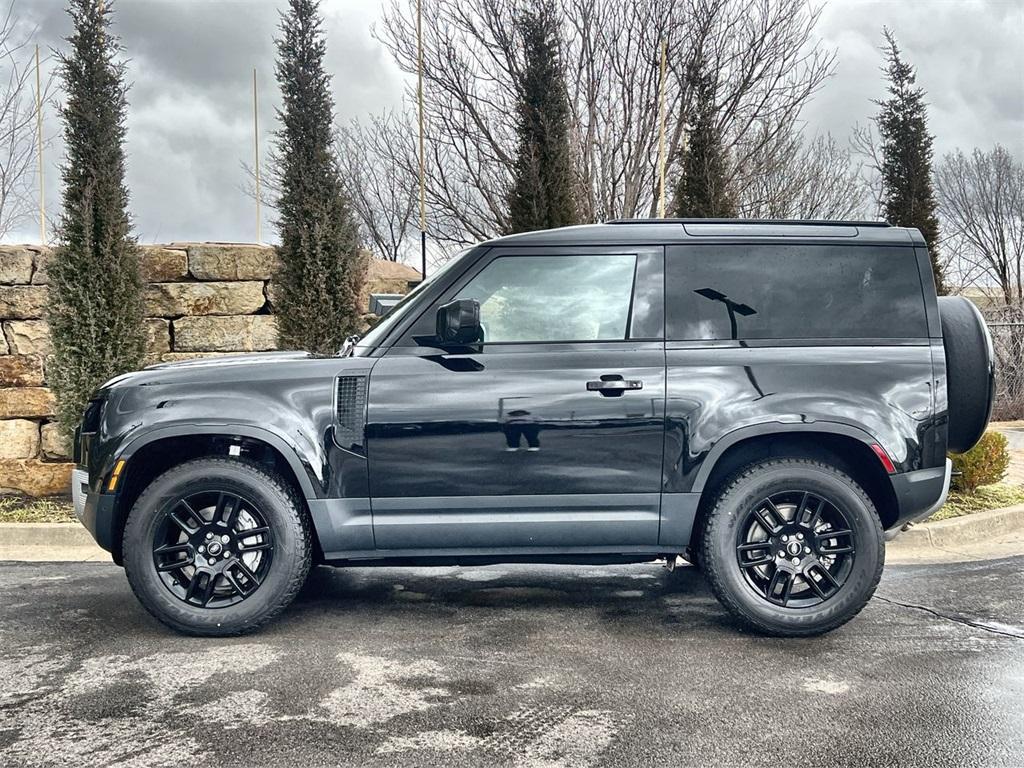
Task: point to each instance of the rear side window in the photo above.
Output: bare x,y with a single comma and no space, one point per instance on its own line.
793,292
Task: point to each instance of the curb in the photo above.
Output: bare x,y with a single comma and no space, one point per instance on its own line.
45,535
968,529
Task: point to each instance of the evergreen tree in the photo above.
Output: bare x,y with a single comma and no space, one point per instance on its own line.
907,193
543,190
703,190
322,267
95,304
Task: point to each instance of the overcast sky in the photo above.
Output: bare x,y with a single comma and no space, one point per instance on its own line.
190,120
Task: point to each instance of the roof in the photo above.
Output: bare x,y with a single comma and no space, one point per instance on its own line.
668,231
383,269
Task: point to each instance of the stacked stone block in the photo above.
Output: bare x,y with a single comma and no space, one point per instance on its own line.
202,300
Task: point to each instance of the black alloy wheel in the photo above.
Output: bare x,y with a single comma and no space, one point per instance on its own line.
217,546
792,546
796,548
213,549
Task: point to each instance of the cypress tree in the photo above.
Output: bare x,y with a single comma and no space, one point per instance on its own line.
322,268
542,194
703,190
95,296
907,193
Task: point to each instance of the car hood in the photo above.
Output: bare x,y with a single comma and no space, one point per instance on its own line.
222,368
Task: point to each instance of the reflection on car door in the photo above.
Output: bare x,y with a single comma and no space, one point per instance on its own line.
520,443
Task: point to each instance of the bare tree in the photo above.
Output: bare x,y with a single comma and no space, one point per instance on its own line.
981,205
791,178
377,182
864,143
981,202
18,134
763,51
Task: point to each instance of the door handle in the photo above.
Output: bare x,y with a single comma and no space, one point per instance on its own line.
613,385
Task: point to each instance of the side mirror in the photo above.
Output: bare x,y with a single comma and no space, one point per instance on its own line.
458,322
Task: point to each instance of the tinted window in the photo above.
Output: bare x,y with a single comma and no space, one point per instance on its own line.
554,298
793,292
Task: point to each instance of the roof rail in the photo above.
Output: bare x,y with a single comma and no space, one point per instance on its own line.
805,222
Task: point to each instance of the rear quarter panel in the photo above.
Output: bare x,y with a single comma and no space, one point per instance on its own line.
719,389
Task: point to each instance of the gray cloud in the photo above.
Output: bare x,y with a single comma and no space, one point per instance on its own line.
190,117
968,58
190,63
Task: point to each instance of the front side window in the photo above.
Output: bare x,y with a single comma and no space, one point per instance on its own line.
794,292
554,298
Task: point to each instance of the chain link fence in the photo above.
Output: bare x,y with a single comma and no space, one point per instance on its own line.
1006,324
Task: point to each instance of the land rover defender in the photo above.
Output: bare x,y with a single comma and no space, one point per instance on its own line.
768,400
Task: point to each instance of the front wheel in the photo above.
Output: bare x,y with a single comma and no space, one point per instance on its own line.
793,547
216,547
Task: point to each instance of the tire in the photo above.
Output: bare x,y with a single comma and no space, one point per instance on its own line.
213,595
970,371
807,609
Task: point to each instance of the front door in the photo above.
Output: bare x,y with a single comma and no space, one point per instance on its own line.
549,433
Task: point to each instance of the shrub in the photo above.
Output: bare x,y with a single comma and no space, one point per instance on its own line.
322,267
543,175
984,464
95,306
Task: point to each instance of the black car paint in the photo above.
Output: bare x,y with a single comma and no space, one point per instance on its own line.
611,475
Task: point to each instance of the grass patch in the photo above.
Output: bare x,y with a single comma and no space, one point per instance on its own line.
986,497
19,509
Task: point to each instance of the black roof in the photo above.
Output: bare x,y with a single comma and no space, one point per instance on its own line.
742,222
667,231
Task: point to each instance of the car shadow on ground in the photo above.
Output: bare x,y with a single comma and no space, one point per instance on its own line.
644,594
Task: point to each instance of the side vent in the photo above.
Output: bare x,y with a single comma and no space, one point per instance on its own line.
350,411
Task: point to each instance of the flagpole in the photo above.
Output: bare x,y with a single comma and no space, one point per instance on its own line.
256,154
39,152
419,102
661,132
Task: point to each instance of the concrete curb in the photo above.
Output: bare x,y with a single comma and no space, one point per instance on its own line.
45,535
968,529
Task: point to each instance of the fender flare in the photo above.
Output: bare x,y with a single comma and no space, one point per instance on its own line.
773,428
301,468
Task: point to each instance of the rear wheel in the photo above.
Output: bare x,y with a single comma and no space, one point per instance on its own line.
216,547
793,547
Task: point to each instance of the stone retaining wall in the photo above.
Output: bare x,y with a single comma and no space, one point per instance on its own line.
202,299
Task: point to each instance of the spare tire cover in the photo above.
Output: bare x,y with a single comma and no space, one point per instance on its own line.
970,371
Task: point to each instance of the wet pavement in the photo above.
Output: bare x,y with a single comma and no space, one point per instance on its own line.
513,665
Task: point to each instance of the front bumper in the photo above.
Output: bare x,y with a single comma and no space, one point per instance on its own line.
93,509
919,495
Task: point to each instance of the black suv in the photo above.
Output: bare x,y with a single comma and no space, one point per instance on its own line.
769,400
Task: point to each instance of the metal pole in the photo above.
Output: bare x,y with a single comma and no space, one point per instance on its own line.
256,154
419,101
661,132
39,152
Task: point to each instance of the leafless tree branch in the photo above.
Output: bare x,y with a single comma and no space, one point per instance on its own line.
981,203
18,132
766,58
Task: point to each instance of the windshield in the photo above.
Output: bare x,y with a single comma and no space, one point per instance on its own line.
382,327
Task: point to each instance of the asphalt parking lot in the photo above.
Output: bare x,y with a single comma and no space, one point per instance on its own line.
513,665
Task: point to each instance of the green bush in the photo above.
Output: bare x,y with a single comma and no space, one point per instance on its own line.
95,300
322,267
984,464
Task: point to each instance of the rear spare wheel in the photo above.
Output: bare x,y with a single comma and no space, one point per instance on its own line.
970,371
